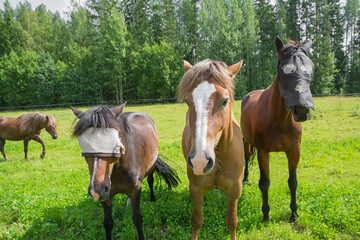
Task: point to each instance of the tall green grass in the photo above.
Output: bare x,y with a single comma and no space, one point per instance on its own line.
47,198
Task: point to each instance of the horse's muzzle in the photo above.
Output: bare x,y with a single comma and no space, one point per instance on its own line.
300,114
54,137
99,194
201,165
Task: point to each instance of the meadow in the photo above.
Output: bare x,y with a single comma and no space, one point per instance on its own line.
47,198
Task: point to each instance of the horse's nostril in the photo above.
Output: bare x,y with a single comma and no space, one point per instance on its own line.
106,188
189,162
209,165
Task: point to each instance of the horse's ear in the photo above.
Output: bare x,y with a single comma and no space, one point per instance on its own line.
117,111
235,68
306,47
279,43
187,65
76,112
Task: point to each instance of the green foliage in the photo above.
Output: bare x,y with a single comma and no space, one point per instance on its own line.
47,198
17,78
159,70
107,51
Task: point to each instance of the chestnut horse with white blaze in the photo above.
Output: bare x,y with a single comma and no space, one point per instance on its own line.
121,150
27,127
212,140
270,118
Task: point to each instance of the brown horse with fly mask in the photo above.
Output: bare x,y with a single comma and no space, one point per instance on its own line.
27,127
212,141
121,149
270,118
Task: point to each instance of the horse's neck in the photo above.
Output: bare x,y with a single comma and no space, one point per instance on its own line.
277,103
41,123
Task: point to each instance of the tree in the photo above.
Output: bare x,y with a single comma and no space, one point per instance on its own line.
10,31
323,56
337,39
352,29
16,78
266,60
113,45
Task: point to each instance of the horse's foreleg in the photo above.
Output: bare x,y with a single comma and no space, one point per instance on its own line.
26,143
264,182
108,220
247,150
38,139
2,144
293,160
150,180
197,197
231,219
136,217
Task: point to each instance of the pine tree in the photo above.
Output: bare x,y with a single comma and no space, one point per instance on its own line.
337,39
266,52
323,55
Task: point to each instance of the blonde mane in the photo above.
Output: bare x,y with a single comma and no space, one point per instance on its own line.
34,119
203,71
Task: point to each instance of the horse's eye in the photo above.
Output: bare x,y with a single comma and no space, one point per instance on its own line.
290,68
225,102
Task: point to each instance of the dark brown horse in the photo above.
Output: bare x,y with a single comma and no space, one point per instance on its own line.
121,149
26,127
270,118
212,140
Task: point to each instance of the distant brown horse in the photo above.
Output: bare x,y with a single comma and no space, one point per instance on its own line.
26,127
121,149
212,141
270,118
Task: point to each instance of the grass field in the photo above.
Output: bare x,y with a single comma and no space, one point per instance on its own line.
47,198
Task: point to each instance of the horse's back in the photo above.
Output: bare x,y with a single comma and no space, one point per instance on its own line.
250,114
10,129
142,139
141,122
251,98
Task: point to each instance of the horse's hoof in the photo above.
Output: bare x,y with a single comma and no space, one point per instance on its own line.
294,218
266,219
42,156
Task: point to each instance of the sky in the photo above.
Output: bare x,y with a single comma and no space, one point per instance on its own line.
53,5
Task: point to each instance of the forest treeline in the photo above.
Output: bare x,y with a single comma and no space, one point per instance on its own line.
115,50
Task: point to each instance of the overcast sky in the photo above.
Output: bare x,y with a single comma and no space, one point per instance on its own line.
53,5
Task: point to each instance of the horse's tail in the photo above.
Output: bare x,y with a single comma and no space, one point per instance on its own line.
170,176
252,154
250,151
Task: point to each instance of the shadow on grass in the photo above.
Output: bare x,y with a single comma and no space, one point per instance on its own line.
166,218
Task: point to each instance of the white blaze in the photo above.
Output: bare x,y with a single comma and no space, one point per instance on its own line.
201,96
93,175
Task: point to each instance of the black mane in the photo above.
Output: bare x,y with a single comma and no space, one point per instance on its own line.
97,117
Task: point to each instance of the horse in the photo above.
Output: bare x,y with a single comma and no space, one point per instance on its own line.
27,127
121,149
212,137
271,118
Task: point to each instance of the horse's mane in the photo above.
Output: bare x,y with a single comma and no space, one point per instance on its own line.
99,117
289,49
34,119
203,71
